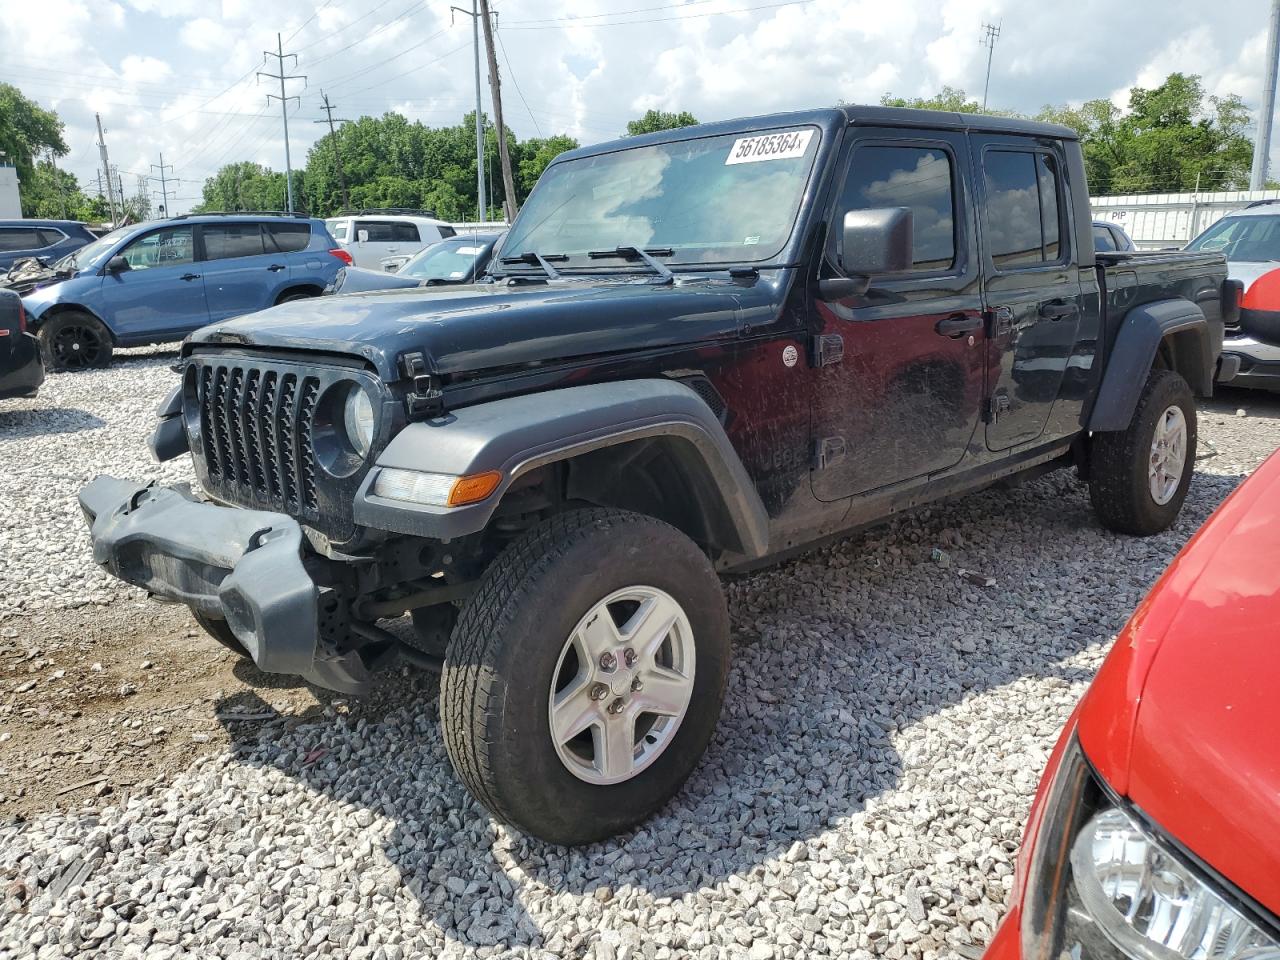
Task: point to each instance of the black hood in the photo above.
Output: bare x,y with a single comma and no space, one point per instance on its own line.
492,325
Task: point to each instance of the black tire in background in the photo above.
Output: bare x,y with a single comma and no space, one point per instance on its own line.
74,340
506,650
1120,461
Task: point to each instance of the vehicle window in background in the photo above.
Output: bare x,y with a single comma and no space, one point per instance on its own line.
404,233
170,247
18,238
287,237
447,260
49,236
380,231
1103,239
1023,227
711,200
1249,239
225,241
337,229
917,177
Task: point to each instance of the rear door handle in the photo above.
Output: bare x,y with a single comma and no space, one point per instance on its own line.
191,276
958,325
1059,309
277,267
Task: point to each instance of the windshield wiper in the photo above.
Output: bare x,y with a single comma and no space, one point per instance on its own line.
635,253
535,259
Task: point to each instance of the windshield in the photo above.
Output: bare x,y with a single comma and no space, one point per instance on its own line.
91,255
1253,239
447,260
726,199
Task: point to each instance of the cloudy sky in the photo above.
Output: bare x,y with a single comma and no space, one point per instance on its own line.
178,76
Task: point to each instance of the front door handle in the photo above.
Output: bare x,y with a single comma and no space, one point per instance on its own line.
277,267
1059,309
191,276
957,326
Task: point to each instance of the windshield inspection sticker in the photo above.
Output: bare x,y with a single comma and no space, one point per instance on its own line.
773,146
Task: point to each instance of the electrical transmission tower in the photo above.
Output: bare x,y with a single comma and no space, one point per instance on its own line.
164,184
990,34
337,149
284,99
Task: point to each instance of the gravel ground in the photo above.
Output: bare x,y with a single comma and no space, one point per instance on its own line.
886,723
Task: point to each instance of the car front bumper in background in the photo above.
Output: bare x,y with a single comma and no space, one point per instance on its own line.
245,566
1255,364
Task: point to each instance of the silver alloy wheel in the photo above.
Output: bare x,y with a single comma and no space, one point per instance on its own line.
622,685
1168,455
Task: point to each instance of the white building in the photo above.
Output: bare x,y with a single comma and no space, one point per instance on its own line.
10,202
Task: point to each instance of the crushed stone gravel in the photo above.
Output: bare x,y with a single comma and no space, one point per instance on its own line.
887,719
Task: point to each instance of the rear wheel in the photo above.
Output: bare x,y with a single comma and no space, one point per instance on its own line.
294,295
74,340
1138,477
585,676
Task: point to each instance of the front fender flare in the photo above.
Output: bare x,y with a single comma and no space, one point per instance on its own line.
1134,353
519,434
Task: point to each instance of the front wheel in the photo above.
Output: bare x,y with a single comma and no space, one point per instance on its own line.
585,677
1138,477
74,340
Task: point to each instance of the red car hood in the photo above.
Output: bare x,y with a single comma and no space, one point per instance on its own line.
1184,717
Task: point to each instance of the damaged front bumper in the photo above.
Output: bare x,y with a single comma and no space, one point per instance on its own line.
245,566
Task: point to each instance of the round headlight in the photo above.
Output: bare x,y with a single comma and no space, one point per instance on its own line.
357,419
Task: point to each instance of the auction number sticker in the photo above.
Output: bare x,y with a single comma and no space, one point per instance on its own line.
773,146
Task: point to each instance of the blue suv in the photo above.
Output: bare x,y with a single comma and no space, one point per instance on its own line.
47,239
158,281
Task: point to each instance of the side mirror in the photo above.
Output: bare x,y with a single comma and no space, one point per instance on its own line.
871,243
362,236
118,264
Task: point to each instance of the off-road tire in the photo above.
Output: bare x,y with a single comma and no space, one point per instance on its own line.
1119,487
53,333
504,652
221,631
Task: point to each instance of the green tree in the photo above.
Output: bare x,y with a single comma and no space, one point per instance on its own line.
246,186
28,132
56,194
533,156
950,99
654,120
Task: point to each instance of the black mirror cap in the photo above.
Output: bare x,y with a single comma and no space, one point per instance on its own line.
118,264
877,241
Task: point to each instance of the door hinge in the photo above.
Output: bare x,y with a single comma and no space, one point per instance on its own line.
826,349
827,452
996,407
999,322
425,398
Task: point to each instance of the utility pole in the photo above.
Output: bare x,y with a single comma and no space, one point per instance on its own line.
62,187
991,33
284,99
164,184
1262,145
495,90
337,149
106,168
481,203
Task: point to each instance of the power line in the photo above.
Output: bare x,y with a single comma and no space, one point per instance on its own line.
421,66
337,149
372,33
566,24
612,13
516,83
347,26
319,10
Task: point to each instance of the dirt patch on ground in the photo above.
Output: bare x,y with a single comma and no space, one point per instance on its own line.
98,700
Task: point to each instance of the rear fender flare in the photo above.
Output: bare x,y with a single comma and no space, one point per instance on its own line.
1134,353
518,434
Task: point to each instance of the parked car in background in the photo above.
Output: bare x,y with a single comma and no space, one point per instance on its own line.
373,235
1250,240
21,371
47,239
460,259
1155,833
158,281
1109,237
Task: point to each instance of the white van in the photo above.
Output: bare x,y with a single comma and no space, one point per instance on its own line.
370,236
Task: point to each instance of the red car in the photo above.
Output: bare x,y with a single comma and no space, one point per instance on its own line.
1155,833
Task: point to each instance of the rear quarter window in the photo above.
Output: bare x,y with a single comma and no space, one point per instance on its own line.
287,237
337,229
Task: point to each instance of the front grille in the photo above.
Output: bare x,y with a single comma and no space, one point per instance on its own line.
255,426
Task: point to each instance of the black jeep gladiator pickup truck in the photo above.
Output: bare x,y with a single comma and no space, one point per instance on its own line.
702,349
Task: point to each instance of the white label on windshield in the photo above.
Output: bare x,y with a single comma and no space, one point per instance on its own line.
457,275
468,251
773,146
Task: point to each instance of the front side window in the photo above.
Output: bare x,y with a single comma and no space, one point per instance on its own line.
18,238
725,199
920,178
170,247
226,241
50,236
1103,239
1252,239
1023,225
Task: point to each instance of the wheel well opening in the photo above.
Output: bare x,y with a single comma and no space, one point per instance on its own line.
58,309
309,289
1184,352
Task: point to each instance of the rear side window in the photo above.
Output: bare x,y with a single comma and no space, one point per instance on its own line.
1023,224
405,233
49,236
19,238
225,241
446,232
1103,239
917,177
287,237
